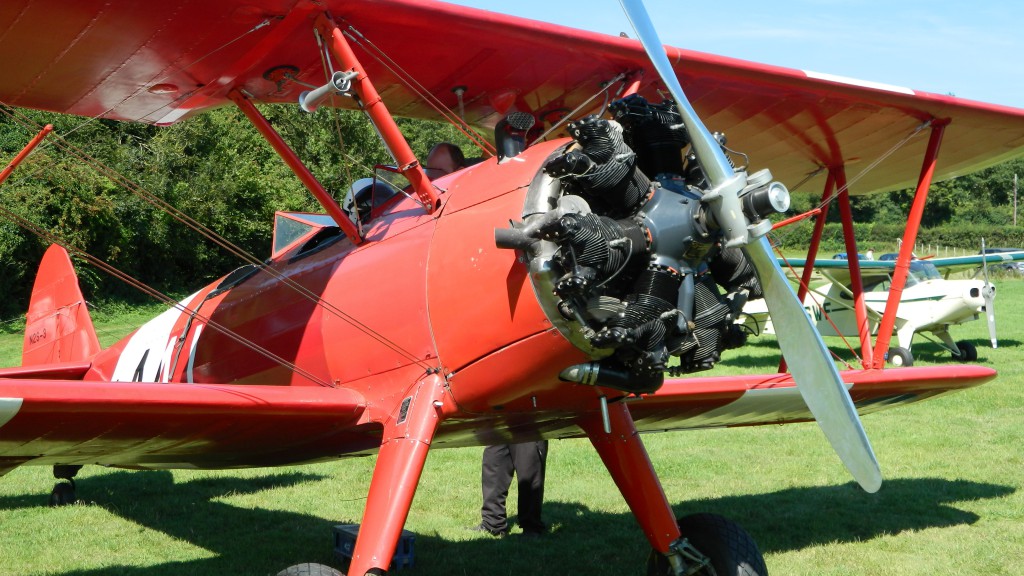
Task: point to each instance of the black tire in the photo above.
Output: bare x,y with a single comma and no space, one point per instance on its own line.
968,352
732,551
63,494
309,570
900,357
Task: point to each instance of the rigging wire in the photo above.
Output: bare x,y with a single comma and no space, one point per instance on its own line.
604,90
189,222
418,89
820,208
150,291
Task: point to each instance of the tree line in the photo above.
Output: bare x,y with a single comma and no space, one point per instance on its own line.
90,190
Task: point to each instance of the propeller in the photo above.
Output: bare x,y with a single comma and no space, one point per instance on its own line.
988,292
810,363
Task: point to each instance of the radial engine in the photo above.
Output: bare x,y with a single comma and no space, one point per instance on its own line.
625,253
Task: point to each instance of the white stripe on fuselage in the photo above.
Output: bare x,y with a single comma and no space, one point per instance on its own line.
147,349
8,409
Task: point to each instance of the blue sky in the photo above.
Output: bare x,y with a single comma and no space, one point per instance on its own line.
974,52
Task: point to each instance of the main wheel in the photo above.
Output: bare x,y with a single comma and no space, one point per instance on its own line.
968,352
900,357
63,494
309,570
732,551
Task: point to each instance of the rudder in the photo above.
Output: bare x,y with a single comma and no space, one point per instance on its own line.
58,327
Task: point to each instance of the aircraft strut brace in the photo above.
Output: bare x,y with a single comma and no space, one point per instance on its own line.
6,172
899,276
292,160
371,103
624,455
860,308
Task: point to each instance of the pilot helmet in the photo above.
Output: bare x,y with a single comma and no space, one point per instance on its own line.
359,197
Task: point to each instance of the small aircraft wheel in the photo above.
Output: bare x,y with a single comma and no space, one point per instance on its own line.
63,494
309,570
732,551
900,357
968,352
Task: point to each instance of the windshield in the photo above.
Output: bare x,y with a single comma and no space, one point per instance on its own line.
921,271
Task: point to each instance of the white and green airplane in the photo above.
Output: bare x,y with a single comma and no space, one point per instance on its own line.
929,305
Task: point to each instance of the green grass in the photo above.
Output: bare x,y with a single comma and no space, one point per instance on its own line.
952,502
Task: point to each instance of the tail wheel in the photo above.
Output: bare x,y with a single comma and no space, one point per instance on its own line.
968,352
900,357
732,551
309,570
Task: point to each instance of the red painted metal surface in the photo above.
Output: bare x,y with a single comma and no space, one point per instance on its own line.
623,453
400,462
796,124
424,333
58,328
371,103
853,259
6,172
899,276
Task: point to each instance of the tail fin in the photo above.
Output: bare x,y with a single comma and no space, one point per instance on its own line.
58,327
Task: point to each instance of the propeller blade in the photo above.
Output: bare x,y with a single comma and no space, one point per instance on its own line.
988,292
813,371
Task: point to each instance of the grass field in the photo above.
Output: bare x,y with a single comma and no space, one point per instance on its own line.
952,501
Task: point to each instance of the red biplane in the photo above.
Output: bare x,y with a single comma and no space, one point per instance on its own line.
597,256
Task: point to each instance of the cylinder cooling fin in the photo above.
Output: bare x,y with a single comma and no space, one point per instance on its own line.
625,255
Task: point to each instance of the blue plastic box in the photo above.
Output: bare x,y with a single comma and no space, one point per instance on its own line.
345,543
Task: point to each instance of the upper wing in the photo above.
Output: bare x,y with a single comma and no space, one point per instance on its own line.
127,60
135,424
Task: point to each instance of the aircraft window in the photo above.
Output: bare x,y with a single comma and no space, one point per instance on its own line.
290,227
878,286
287,231
322,239
924,270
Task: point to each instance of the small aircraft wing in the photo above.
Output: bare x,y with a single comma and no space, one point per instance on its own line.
975,261
123,60
839,270
137,424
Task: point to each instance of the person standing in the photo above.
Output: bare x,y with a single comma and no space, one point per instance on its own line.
526,461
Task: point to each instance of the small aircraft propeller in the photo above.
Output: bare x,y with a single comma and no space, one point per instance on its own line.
988,292
811,365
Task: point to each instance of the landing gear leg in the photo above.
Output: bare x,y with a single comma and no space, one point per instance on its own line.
683,548
63,492
403,452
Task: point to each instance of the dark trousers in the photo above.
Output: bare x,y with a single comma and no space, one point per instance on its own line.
527,462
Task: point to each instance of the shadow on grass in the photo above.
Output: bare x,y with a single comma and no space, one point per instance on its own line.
601,543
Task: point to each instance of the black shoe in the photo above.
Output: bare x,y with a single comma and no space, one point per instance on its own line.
534,530
495,533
